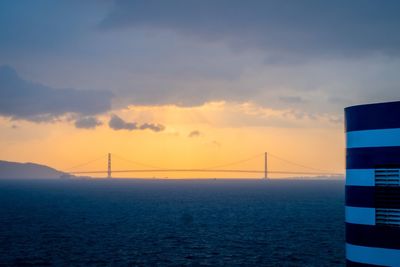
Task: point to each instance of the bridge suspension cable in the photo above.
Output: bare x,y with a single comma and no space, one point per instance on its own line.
86,163
210,169
136,162
296,164
204,170
234,162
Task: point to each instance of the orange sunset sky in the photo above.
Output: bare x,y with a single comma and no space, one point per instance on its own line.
189,84
196,137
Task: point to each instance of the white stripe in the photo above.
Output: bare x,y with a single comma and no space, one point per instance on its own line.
373,138
360,177
360,215
371,255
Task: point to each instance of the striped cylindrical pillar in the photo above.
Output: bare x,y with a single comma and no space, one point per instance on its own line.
373,184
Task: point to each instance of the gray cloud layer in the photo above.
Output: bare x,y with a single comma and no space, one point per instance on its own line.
310,26
116,123
20,99
156,52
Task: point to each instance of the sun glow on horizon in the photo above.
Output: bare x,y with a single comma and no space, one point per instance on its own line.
194,138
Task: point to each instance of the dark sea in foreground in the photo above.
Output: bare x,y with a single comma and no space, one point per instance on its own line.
172,223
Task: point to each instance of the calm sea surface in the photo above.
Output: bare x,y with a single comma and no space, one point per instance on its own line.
171,223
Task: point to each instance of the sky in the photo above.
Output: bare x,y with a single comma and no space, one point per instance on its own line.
190,84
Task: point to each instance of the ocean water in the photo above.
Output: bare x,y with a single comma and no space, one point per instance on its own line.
172,223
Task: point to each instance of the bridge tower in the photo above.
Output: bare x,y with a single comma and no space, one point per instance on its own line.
109,166
265,165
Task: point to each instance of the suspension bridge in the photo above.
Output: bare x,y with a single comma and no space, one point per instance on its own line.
222,168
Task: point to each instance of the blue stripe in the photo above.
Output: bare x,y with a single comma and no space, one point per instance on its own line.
360,196
373,116
359,215
363,177
373,236
372,256
373,138
373,157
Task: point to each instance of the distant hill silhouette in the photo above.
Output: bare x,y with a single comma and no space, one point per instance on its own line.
16,170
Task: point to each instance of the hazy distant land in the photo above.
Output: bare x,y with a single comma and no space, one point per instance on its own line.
16,170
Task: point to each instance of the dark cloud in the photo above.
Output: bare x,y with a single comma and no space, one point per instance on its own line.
87,123
20,99
116,123
297,26
153,127
194,133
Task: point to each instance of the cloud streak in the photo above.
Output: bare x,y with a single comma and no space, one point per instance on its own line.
153,127
21,99
87,123
117,123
